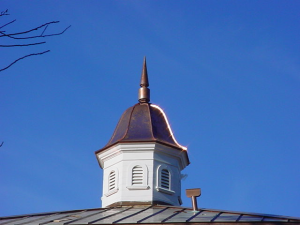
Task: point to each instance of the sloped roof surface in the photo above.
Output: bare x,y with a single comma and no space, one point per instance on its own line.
143,122
146,215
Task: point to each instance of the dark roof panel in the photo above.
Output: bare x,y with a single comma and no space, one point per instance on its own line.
139,128
143,122
121,128
145,215
160,126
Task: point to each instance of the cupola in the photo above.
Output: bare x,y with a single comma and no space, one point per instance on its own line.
142,162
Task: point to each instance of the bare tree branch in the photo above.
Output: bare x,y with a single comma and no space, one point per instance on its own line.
44,30
28,31
24,45
28,34
32,54
7,24
4,13
37,36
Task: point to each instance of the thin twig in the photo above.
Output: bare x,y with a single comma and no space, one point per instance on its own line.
38,36
44,30
40,53
28,31
7,24
4,13
24,45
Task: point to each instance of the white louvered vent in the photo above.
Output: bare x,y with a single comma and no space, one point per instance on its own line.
165,179
112,181
137,175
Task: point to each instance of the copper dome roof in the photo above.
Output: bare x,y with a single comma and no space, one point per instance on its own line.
143,122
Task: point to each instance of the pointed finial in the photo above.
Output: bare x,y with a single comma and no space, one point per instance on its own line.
144,92
144,78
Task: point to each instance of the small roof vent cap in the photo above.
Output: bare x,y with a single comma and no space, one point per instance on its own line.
193,193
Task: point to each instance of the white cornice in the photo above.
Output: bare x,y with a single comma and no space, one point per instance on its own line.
116,150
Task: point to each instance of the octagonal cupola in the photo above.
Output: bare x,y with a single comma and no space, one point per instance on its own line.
142,162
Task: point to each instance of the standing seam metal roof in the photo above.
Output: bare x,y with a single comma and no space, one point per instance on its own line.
143,123
146,215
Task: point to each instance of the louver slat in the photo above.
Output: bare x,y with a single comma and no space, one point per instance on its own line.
137,175
112,180
165,179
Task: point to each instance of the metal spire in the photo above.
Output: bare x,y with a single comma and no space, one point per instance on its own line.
144,92
144,78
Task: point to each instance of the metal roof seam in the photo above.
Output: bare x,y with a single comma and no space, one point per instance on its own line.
132,214
86,216
192,217
138,215
62,217
37,219
15,220
164,220
91,222
151,122
216,216
139,221
168,126
238,219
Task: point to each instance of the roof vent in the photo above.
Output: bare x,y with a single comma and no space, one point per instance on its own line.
193,193
112,180
137,175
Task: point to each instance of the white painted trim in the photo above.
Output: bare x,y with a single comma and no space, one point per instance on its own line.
113,151
174,153
152,157
138,187
144,186
161,189
158,180
116,189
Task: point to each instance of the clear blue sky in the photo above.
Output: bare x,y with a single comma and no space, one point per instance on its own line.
227,74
